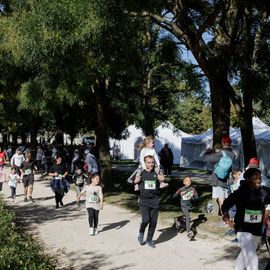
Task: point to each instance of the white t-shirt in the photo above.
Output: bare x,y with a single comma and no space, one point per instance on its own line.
13,179
17,160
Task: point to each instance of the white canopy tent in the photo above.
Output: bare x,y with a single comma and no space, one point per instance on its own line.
166,133
194,147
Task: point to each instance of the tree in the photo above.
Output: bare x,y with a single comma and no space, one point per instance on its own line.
213,31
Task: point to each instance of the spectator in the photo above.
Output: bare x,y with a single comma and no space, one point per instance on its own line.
166,159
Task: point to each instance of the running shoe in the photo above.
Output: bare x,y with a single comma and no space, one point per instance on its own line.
31,199
140,238
190,234
25,199
95,231
150,244
91,231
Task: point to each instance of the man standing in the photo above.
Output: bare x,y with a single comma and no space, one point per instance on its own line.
166,159
221,173
148,200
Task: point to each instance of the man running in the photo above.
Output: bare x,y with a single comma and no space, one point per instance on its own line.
148,200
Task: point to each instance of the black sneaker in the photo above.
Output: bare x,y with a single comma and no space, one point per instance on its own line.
140,238
57,206
61,203
150,244
25,199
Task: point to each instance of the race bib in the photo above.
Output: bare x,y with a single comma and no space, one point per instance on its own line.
93,198
59,176
187,196
27,171
253,216
150,184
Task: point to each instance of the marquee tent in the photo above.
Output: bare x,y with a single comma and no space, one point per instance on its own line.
194,147
166,133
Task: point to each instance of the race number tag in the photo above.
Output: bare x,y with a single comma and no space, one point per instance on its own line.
253,216
93,198
150,184
187,196
28,171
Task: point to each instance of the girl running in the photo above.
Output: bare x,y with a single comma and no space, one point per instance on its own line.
13,179
94,201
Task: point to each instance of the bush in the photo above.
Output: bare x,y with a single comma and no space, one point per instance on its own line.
19,250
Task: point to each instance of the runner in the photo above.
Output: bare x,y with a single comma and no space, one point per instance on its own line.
148,200
94,201
79,179
28,168
17,160
187,194
13,179
58,184
250,200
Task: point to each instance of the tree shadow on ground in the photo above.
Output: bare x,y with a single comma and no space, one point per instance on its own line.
93,260
166,235
32,213
116,225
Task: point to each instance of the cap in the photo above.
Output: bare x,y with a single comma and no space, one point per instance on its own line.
254,162
226,140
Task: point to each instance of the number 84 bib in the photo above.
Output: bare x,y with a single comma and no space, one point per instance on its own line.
253,216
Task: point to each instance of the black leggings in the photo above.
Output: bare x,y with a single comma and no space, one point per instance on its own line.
149,216
93,217
58,197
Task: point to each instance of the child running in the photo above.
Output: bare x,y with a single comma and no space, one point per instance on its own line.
13,179
149,150
233,184
79,178
94,201
187,194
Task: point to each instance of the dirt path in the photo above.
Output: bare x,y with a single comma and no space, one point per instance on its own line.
116,246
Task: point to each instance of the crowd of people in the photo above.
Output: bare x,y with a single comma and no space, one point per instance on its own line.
243,197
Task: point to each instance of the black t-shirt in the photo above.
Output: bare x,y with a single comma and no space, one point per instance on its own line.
28,167
58,168
149,186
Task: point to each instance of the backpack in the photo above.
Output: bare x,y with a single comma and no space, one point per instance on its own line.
223,167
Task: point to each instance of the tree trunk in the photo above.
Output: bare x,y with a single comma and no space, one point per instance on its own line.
59,138
103,139
220,107
33,136
5,138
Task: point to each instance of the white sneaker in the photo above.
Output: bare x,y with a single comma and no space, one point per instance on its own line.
95,231
91,231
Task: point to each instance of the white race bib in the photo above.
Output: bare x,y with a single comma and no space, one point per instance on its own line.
93,198
187,196
150,184
253,216
27,171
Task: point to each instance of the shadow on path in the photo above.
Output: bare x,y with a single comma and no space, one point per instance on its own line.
115,225
166,235
98,261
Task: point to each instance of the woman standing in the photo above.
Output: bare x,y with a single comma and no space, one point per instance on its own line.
250,200
58,184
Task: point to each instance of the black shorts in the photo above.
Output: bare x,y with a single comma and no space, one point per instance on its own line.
28,180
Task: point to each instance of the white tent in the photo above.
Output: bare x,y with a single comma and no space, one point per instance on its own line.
193,148
129,146
167,133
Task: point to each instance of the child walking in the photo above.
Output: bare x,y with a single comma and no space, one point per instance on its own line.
94,201
187,194
148,150
13,179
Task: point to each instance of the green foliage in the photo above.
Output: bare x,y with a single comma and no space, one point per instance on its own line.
19,250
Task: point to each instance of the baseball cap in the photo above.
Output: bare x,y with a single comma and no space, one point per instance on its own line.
254,162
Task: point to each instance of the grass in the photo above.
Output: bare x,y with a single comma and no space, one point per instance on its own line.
124,196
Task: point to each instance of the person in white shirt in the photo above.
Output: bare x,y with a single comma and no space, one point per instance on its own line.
17,160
